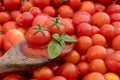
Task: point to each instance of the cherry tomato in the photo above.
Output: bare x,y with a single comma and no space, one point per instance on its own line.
74,4
25,19
38,36
65,11
14,76
41,3
12,4
43,73
55,25
68,68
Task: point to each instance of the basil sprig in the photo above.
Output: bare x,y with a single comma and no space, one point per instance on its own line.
58,43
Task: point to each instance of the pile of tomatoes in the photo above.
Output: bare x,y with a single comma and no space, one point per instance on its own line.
83,34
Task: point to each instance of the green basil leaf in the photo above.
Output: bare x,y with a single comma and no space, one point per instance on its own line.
67,38
62,43
57,37
54,49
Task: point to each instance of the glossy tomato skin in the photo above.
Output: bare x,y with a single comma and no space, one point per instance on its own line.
14,76
69,71
65,11
50,10
40,19
41,3
26,19
69,27
80,17
43,73
12,4
35,11
37,39
74,4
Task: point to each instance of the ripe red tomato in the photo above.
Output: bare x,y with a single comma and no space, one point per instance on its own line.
50,10
40,19
43,73
65,11
26,6
70,68
108,31
11,38
41,3
88,6
14,76
100,18
14,14
84,29
4,17
113,8
35,11
37,36
74,4
83,43
12,4
81,16
9,26
25,19
55,25
69,27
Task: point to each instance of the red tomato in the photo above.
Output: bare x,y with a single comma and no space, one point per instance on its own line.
69,71
26,6
9,26
35,11
14,14
81,16
40,19
84,29
74,4
50,10
14,76
41,3
115,17
11,38
113,8
65,11
69,27
43,73
100,18
58,78
83,43
83,68
99,7
88,6
55,25
4,17
25,19
108,31
36,37
12,4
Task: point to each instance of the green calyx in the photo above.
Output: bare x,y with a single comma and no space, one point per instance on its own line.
58,43
38,28
57,22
